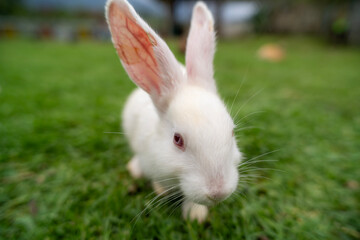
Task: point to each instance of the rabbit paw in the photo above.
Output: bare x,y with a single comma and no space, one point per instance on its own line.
194,211
134,168
158,188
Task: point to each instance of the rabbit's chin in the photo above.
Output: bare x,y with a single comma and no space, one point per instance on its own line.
205,200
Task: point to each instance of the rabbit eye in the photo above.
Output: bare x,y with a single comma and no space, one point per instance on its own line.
179,141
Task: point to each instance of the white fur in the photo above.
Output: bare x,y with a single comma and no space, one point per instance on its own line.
206,171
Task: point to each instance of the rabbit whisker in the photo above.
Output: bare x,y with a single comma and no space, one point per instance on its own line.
259,156
255,176
161,202
121,133
177,204
256,93
167,179
147,205
252,169
244,128
248,115
240,195
237,93
251,165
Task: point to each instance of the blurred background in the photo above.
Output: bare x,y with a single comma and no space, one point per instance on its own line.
337,21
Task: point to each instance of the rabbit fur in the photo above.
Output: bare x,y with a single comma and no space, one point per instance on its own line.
178,127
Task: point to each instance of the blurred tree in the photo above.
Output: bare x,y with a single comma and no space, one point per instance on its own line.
219,6
308,1
172,24
9,7
171,7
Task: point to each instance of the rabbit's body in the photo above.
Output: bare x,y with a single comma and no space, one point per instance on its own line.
143,129
178,127
148,134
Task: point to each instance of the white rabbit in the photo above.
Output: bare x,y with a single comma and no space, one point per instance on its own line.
177,126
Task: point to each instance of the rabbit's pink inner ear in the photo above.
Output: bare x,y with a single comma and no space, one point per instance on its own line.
135,49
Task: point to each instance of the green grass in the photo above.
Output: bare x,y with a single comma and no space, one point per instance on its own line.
62,177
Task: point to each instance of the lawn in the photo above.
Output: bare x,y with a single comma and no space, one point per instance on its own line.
62,176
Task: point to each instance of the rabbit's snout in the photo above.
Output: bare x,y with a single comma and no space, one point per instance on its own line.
217,190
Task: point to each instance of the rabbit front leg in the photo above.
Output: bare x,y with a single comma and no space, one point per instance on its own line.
194,211
158,188
134,168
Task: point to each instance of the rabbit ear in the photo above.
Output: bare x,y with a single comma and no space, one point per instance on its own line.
200,48
145,56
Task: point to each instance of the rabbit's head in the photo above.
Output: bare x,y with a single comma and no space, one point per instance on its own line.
197,131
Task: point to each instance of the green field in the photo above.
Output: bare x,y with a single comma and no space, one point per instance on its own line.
62,177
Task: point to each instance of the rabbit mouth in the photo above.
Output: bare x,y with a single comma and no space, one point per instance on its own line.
209,200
